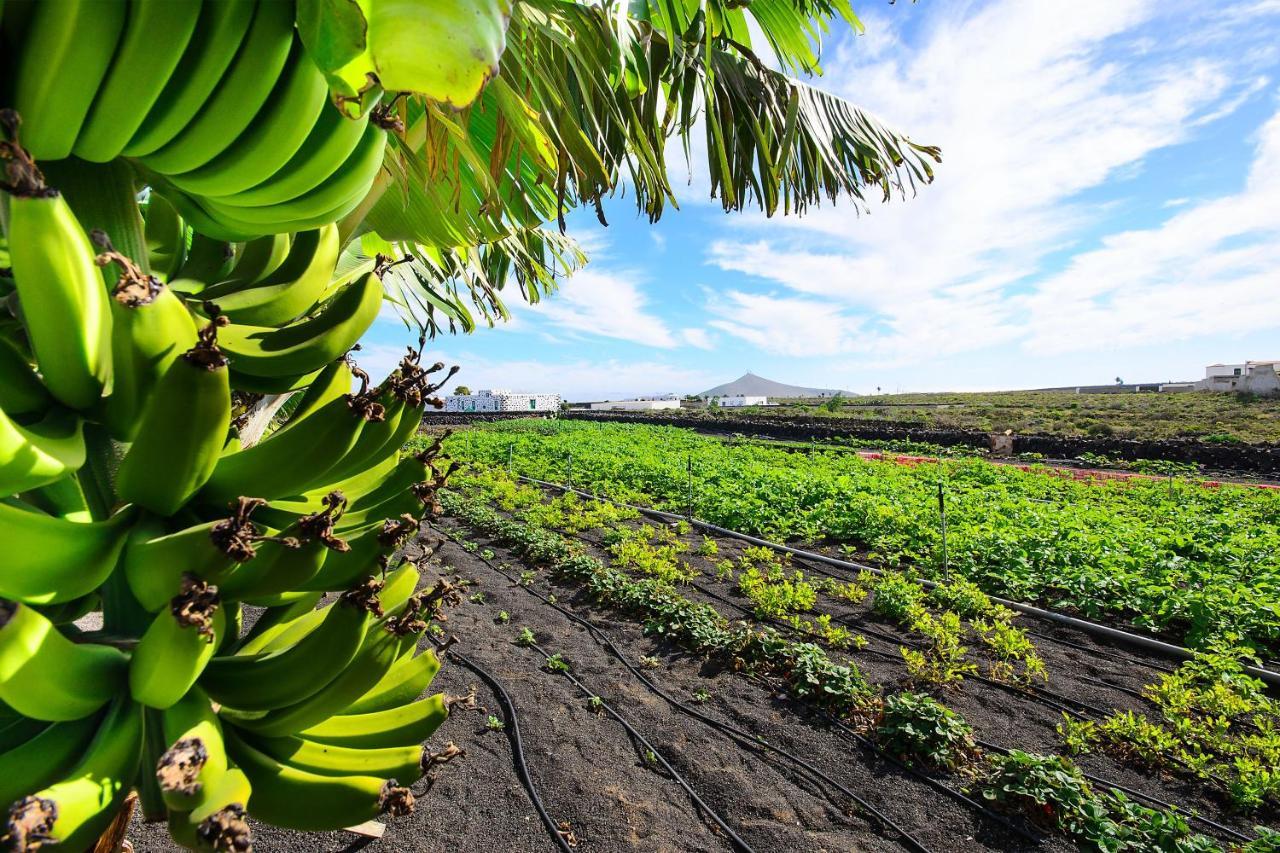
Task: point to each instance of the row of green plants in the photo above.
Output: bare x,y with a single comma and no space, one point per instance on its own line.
1211,721
1048,791
1190,562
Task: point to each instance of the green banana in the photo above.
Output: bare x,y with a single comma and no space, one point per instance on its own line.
401,726
74,811
261,682
45,757
275,623
64,304
63,498
298,799
327,148
166,237
275,134
384,644
65,53
35,456
220,29
235,101
177,646
50,560
155,36
21,391
208,260
155,561
343,569
310,344
407,679
351,180
402,763
334,381
283,571
195,757
16,730
258,259
285,463
272,385
150,328
45,676
287,293
183,429
219,822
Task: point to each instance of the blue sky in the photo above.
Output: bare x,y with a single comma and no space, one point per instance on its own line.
1108,205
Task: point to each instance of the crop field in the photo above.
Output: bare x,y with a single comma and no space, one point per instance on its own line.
1195,564
1204,415
706,694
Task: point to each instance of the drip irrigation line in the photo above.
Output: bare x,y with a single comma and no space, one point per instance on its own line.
1102,653
1168,650
602,637
517,747
676,776
1155,801
751,741
1107,684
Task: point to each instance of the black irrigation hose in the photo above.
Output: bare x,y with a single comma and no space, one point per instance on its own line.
679,779
517,747
1151,644
1155,801
752,741
1102,653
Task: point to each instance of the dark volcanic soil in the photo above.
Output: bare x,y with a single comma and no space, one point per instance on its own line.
607,794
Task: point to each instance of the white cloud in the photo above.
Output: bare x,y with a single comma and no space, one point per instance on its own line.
698,338
1033,103
607,304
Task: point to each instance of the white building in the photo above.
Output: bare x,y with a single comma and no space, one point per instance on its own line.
736,400
640,404
1254,377
497,400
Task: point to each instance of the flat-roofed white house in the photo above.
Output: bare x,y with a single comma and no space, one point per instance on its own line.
639,404
736,400
500,400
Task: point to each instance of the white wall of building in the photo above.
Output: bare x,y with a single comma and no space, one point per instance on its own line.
1252,377
736,400
492,400
649,405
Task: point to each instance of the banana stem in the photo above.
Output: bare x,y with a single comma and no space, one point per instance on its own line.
95,475
105,196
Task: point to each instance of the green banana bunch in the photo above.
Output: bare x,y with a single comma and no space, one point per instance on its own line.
294,798
286,293
67,50
177,647
155,561
64,305
150,329
35,456
45,676
333,382
284,463
307,345
73,811
50,560
268,680
402,763
182,431
257,259
207,260
406,680
154,39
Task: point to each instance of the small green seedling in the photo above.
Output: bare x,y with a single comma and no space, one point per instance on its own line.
502,618
556,663
494,724
526,638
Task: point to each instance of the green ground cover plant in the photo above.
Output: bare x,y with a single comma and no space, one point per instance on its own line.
1191,562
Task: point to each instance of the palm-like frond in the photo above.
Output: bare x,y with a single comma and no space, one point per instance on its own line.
588,98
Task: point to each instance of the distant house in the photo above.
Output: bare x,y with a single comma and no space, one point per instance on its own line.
495,400
639,404
732,401
1253,377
